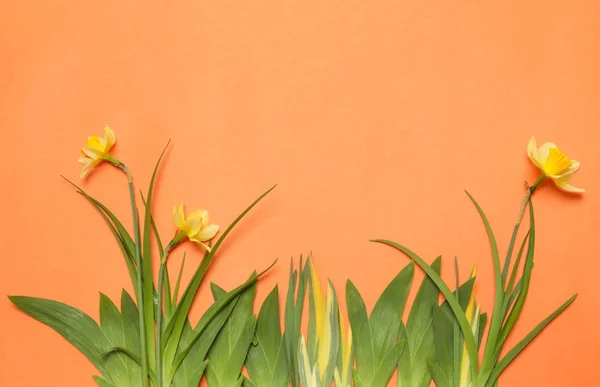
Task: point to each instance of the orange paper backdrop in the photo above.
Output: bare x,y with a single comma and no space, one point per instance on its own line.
372,116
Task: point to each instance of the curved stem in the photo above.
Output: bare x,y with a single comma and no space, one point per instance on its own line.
140,294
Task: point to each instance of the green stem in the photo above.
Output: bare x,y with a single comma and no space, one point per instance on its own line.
161,275
139,295
486,366
513,238
159,308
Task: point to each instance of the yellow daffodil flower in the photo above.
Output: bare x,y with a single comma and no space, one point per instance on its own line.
554,164
195,226
97,149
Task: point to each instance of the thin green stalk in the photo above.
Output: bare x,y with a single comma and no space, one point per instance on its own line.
161,275
492,348
513,238
139,293
159,308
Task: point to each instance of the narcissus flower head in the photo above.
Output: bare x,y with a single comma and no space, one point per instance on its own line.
196,226
554,163
96,149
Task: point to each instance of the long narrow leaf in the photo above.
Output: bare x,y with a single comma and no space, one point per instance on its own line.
527,270
452,301
512,354
178,281
148,290
497,316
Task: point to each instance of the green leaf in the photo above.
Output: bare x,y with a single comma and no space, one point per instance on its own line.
513,274
124,371
405,378
377,353
387,366
228,352
420,333
101,382
439,376
131,324
514,352
119,232
208,316
178,282
443,345
481,327
173,330
294,307
361,334
526,279
266,362
148,289
386,316
193,366
450,297
77,327
497,314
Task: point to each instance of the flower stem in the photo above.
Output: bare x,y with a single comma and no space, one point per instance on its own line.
511,246
140,294
485,371
161,275
159,310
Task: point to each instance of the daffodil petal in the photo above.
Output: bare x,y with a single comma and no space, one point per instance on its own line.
88,165
532,152
191,227
110,138
92,153
565,186
202,215
544,152
179,216
84,160
207,233
574,166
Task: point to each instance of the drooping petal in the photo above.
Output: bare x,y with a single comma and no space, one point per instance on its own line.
179,216
207,233
88,164
574,166
110,138
532,152
91,152
563,184
194,239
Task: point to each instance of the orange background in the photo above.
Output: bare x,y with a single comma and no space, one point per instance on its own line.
371,116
